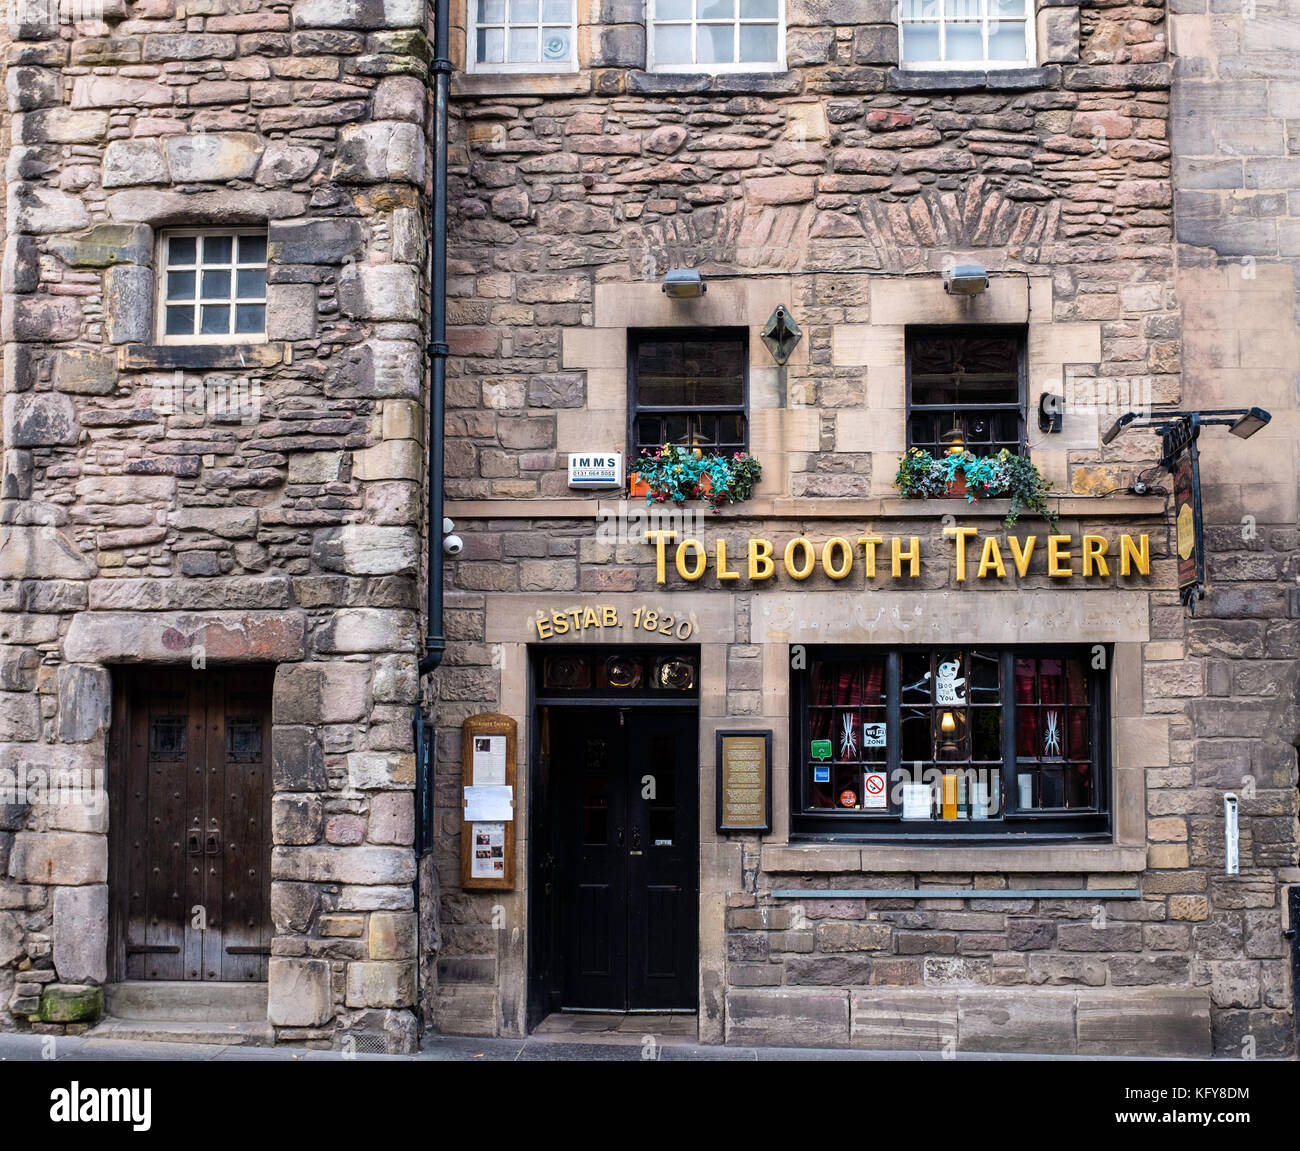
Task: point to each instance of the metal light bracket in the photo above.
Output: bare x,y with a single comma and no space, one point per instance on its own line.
781,334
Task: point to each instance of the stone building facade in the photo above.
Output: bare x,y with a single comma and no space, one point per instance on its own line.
247,504
223,533
840,186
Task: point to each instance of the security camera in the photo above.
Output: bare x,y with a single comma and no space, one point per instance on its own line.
447,526
453,545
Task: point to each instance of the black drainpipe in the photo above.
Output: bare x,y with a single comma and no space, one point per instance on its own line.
434,642
441,65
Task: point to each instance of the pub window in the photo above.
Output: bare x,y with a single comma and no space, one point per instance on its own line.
967,33
966,385
950,742
689,388
212,287
523,36
716,35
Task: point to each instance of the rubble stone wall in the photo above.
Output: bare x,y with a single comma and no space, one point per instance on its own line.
222,504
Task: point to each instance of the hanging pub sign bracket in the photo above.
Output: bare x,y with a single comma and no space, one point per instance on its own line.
1180,456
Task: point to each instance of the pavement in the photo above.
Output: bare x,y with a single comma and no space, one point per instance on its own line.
624,1048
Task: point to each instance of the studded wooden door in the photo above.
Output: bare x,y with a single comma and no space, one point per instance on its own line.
191,831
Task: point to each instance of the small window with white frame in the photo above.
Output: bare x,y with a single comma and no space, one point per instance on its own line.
967,33
212,286
523,36
716,35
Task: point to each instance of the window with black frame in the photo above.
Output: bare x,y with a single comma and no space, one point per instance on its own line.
966,385
689,388
961,741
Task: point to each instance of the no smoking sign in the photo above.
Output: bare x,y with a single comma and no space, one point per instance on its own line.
873,790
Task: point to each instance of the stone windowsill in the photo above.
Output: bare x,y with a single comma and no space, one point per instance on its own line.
1108,858
202,357
471,84
781,507
963,80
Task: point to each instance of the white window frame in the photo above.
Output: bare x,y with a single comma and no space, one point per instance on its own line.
473,64
160,286
982,65
778,65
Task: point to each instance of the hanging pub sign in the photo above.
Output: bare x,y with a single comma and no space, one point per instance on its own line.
744,780
1185,525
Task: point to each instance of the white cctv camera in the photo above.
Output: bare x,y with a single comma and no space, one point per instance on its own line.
453,545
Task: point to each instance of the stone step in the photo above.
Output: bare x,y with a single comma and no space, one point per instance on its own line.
185,1031
181,1002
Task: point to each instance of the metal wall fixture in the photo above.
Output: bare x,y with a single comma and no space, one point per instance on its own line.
965,280
781,334
684,284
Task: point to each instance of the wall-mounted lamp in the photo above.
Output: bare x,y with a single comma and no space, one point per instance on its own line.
684,284
781,334
1051,409
965,280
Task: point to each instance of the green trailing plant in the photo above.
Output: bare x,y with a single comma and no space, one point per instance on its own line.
675,474
1005,475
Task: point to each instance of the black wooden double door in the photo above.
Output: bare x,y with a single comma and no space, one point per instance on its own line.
625,810
192,824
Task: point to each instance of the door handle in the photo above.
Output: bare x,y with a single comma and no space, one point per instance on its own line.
214,843
620,835
636,839
192,847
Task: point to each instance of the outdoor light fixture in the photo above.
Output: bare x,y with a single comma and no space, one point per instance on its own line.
1248,424
965,280
781,334
1180,456
684,284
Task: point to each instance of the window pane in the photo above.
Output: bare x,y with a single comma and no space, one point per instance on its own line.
920,9
1007,41
217,249
1051,681
491,46
758,9
216,320
758,43
523,45
965,42
557,11
1078,786
672,9
986,734
555,44
716,9
961,10
492,12
523,11
251,283
180,321
180,285
250,318
216,285
673,44
715,43
1000,9
180,249
687,374
252,249
920,42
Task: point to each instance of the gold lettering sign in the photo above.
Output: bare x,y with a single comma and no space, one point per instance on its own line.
1063,557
